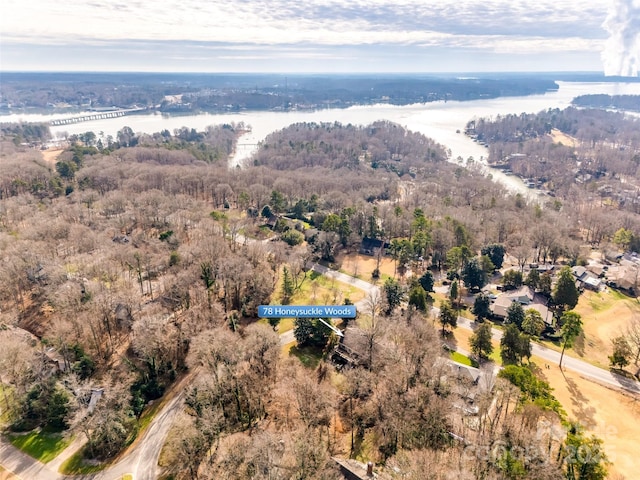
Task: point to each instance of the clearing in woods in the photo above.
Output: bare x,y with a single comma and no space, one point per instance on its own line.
51,155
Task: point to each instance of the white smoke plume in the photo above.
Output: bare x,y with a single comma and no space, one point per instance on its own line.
621,55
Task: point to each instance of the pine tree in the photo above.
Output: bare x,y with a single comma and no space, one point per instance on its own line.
565,295
480,341
287,286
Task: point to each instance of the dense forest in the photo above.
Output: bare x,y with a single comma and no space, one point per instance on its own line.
21,92
616,102
598,154
133,264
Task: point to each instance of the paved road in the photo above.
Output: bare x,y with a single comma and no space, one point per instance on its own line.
343,277
583,368
23,465
141,460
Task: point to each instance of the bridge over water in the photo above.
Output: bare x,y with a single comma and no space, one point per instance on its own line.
97,116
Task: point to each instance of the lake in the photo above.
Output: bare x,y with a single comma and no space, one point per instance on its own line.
437,120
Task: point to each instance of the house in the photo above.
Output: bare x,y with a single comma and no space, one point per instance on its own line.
579,272
623,277
55,361
586,279
351,349
271,221
354,470
526,297
545,268
499,307
96,394
597,269
465,373
371,246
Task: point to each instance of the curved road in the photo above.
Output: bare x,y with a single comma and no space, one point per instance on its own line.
581,367
142,460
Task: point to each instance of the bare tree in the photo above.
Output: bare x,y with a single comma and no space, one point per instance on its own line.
373,304
633,336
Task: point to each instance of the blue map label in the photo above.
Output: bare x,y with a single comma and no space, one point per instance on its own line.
307,311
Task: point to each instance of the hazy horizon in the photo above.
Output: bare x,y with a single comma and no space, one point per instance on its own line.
366,36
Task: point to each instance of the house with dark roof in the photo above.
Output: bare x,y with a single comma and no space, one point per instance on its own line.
370,246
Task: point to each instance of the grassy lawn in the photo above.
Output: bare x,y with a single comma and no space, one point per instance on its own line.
366,276
462,338
495,355
41,445
317,289
76,465
605,315
285,324
601,301
463,359
6,396
308,356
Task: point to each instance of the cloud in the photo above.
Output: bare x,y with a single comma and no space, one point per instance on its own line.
503,26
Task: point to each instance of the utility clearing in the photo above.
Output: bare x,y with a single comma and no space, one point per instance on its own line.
559,137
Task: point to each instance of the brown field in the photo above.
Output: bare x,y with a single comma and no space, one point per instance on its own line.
611,415
605,315
362,266
51,155
558,137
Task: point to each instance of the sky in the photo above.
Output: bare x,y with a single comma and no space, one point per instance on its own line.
321,36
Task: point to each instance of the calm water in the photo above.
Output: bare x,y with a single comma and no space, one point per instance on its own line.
438,120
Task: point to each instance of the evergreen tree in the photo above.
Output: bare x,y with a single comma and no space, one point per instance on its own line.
533,279
418,298
474,275
544,285
515,314
495,252
514,346
533,323
571,328
481,307
394,294
453,293
303,329
621,352
448,317
565,295
512,279
583,457
311,332
287,286
480,341
426,281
